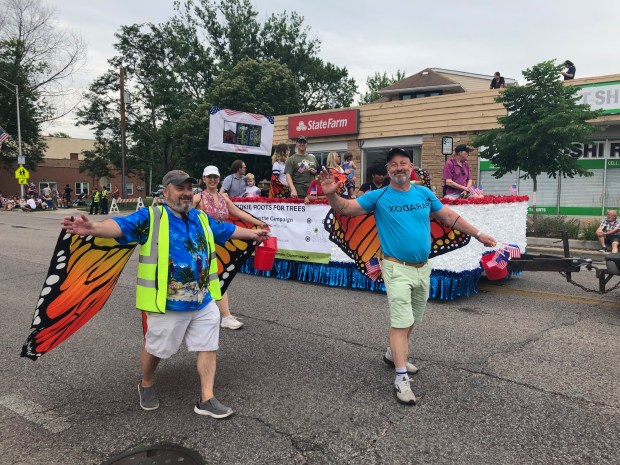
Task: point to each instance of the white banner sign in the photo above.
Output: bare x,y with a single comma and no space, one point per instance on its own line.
603,96
298,227
236,131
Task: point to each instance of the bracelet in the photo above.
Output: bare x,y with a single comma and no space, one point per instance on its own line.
457,218
478,234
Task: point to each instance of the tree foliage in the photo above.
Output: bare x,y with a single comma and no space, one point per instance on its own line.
40,59
379,81
544,117
209,53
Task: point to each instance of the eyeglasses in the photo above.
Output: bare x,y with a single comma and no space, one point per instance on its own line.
462,170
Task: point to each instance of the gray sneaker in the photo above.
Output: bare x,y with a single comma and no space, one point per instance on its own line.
213,407
403,392
387,358
148,398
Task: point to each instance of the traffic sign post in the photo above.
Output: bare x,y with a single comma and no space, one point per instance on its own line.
22,175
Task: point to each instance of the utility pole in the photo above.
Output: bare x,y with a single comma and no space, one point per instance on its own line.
20,157
123,148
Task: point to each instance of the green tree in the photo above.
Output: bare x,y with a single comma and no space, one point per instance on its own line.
379,81
40,59
544,117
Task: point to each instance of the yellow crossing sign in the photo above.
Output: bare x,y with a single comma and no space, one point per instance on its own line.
21,173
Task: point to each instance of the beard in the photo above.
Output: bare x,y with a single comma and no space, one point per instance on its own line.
178,205
399,178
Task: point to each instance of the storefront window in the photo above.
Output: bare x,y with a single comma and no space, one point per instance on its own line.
81,188
377,156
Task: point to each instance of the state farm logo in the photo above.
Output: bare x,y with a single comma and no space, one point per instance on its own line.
301,126
324,124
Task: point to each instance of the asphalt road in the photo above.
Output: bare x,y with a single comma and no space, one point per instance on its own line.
525,372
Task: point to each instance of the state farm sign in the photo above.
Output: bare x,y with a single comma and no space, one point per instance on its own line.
324,124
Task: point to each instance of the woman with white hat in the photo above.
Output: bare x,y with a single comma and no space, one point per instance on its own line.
218,206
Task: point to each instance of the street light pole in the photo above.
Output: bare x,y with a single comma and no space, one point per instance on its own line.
123,148
6,84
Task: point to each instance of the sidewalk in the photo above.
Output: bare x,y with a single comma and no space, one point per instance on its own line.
577,248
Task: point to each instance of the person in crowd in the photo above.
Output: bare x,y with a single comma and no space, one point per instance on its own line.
190,314
218,206
234,184
300,168
251,190
456,174
55,199
96,199
608,232
405,238
116,193
349,168
67,196
278,160
378,174
315,192
569,72
333,163
497,82
104,201
29,205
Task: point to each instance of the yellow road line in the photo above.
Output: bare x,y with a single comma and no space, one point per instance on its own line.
555,296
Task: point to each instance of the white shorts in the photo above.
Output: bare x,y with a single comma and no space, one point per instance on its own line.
164,332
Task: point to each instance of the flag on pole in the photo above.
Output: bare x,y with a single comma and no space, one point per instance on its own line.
513,189
3,136
513,250
373,268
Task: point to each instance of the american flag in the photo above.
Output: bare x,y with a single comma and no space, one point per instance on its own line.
500,259
513,250
513,189
373,268
475,190
313,190
3,136
256,116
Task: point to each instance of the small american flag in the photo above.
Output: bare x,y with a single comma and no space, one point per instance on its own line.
501,258
513,250
313,190
3,136
373,268
513,189
475,190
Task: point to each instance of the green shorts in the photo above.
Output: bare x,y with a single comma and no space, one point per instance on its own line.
407,290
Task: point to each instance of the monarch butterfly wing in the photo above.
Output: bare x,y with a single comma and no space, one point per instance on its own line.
277,190
233,254
80,279
444,239
355,236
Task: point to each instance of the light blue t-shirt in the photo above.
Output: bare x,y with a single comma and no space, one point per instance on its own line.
188,269
402,220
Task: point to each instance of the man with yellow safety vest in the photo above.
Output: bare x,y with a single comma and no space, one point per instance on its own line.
94,204
177,282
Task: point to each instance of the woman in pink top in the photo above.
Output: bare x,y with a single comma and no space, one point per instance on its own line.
217,206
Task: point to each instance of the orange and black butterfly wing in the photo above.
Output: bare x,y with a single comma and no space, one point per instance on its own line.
233,254
80,279
278,190
444,239
355,236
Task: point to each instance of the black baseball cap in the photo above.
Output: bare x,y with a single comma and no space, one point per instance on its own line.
397,151
462,148
302,139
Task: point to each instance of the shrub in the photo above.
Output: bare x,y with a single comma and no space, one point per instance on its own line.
552,226
588,230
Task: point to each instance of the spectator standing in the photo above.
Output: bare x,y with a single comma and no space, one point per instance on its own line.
497,82
234,184
67,196
55,198
104,201
301,168
279,182
378,174
185,243
569,73
349,169
94,204
116,193
456,174
608,232
405,239
218,206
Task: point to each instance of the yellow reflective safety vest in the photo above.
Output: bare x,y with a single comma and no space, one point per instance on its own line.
152,286
96,196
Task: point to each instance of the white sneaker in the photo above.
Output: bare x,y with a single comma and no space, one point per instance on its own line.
387,358
403,392
230,322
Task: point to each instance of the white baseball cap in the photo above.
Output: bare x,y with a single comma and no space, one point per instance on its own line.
211,170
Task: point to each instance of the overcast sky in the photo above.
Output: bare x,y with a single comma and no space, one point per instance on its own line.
477,36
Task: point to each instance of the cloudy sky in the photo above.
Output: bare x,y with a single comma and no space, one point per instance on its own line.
477,36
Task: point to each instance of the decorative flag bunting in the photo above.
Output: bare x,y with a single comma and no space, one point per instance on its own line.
373,268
